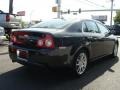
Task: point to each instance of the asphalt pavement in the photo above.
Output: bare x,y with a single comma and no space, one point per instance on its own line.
103,74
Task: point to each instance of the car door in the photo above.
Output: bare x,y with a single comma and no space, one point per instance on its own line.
108,39
93,35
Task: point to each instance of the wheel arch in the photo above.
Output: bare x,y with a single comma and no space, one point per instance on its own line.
86,50
83,49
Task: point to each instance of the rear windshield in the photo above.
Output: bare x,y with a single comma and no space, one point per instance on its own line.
53,24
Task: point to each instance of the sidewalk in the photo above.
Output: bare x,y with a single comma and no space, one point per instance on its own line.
4,48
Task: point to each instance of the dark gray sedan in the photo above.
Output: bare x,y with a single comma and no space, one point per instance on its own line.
59,42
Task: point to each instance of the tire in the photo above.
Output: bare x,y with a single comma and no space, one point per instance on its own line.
115,51
80,63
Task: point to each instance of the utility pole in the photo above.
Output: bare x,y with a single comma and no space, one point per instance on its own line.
59,8
11,6
111,12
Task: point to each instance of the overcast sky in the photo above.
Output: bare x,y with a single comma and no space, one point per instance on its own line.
41,9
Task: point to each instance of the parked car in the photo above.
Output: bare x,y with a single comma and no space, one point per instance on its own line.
60,42
116,29
8,22
2,33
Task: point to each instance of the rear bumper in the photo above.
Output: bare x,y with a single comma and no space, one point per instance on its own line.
54,57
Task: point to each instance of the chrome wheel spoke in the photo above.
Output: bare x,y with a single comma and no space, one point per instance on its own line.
78,70
81,63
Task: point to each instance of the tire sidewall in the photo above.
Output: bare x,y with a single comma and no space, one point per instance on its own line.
115,46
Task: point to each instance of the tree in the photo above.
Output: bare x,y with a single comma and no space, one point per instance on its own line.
22,23
117,17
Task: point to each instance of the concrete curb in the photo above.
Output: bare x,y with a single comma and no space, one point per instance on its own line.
3,53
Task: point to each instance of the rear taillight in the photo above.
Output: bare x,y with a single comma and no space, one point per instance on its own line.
15,37
7,18
40,43
46,42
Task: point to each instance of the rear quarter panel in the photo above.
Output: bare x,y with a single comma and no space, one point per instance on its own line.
75,41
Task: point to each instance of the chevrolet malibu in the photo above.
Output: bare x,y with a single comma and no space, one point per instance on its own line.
59,42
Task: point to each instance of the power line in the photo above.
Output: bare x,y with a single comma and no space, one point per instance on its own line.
87,3
95,3
90,3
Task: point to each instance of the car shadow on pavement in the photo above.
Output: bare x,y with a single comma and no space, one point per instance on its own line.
43,79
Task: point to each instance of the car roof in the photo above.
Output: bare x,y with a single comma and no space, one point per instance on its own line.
73,20
82,19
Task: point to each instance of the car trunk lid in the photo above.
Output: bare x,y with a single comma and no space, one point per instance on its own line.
27,39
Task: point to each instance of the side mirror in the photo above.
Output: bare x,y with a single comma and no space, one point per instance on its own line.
109,33
112,32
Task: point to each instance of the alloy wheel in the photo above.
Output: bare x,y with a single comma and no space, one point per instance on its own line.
81,63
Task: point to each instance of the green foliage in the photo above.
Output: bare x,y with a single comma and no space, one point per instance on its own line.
117,17
23,23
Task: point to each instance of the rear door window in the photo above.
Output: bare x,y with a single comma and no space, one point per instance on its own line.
76,27
91,27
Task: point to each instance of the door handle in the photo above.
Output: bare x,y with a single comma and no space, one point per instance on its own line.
90,37
95,38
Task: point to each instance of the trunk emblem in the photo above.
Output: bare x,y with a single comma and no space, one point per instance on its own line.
23,37
26,36
31,40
